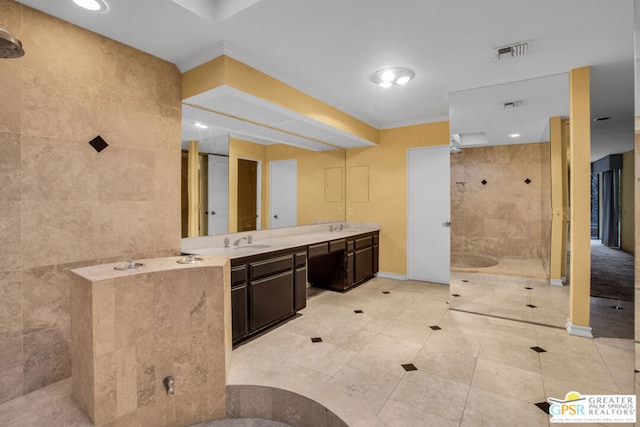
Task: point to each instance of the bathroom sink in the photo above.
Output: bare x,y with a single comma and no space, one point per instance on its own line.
251,247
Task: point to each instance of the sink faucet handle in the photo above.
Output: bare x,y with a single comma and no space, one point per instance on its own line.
331,228
249,239
226,242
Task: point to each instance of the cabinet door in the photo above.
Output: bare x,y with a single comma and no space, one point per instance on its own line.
239,326
350,270
300,293
364,264
271,299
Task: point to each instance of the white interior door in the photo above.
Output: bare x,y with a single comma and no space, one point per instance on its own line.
428,198
218,195
283,193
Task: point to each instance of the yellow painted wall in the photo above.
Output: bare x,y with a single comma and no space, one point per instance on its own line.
627,211
388,186
311,166
558,174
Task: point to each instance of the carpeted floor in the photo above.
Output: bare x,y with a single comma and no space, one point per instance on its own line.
611,272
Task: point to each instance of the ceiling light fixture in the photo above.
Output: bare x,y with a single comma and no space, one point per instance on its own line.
200,125
92,5
514,135
393,76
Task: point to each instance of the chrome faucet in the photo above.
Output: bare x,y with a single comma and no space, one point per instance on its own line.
236,243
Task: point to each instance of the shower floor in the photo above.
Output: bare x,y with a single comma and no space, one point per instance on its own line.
512,266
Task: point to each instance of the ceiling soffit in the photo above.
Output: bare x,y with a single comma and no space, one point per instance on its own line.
225,93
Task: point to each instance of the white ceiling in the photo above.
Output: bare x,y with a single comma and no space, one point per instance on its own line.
328,48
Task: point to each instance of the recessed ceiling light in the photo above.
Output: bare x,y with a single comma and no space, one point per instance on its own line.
93,5
514,135
393,76
200,125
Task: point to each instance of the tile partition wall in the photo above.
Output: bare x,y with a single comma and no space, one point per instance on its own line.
62,204
131,330
505,216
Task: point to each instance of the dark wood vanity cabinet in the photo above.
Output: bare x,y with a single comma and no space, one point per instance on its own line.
266,289
344,263
271,287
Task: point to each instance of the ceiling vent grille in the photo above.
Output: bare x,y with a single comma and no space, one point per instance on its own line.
513,104
512,50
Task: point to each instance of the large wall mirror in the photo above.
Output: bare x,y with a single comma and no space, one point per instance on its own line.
504,177
501,200
245,181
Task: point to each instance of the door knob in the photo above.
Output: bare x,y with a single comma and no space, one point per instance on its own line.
446,224
213,212
275,216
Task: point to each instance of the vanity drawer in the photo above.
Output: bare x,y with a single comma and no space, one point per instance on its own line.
318,249
337,245
301,259
271,266
364,242
238,275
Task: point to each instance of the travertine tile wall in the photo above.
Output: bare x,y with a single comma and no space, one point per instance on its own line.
505,217
62,205
131,332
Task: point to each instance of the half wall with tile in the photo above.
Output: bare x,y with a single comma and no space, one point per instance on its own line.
132,331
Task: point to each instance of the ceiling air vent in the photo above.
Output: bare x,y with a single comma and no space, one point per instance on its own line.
512,50
513,104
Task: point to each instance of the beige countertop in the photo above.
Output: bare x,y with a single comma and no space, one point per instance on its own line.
96,273
265,241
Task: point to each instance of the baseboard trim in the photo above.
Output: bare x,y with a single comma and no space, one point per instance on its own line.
579,331
556,282
393,276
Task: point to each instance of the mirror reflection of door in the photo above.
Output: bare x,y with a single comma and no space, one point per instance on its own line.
283,193
218,197
247,195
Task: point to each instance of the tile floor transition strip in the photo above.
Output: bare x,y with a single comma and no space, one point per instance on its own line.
508,318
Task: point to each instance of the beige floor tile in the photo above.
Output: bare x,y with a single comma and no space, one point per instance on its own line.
399,414
508,381
580,371
447,364
512,354
18,413
407,330
431,393
397,350
484,408
445,340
